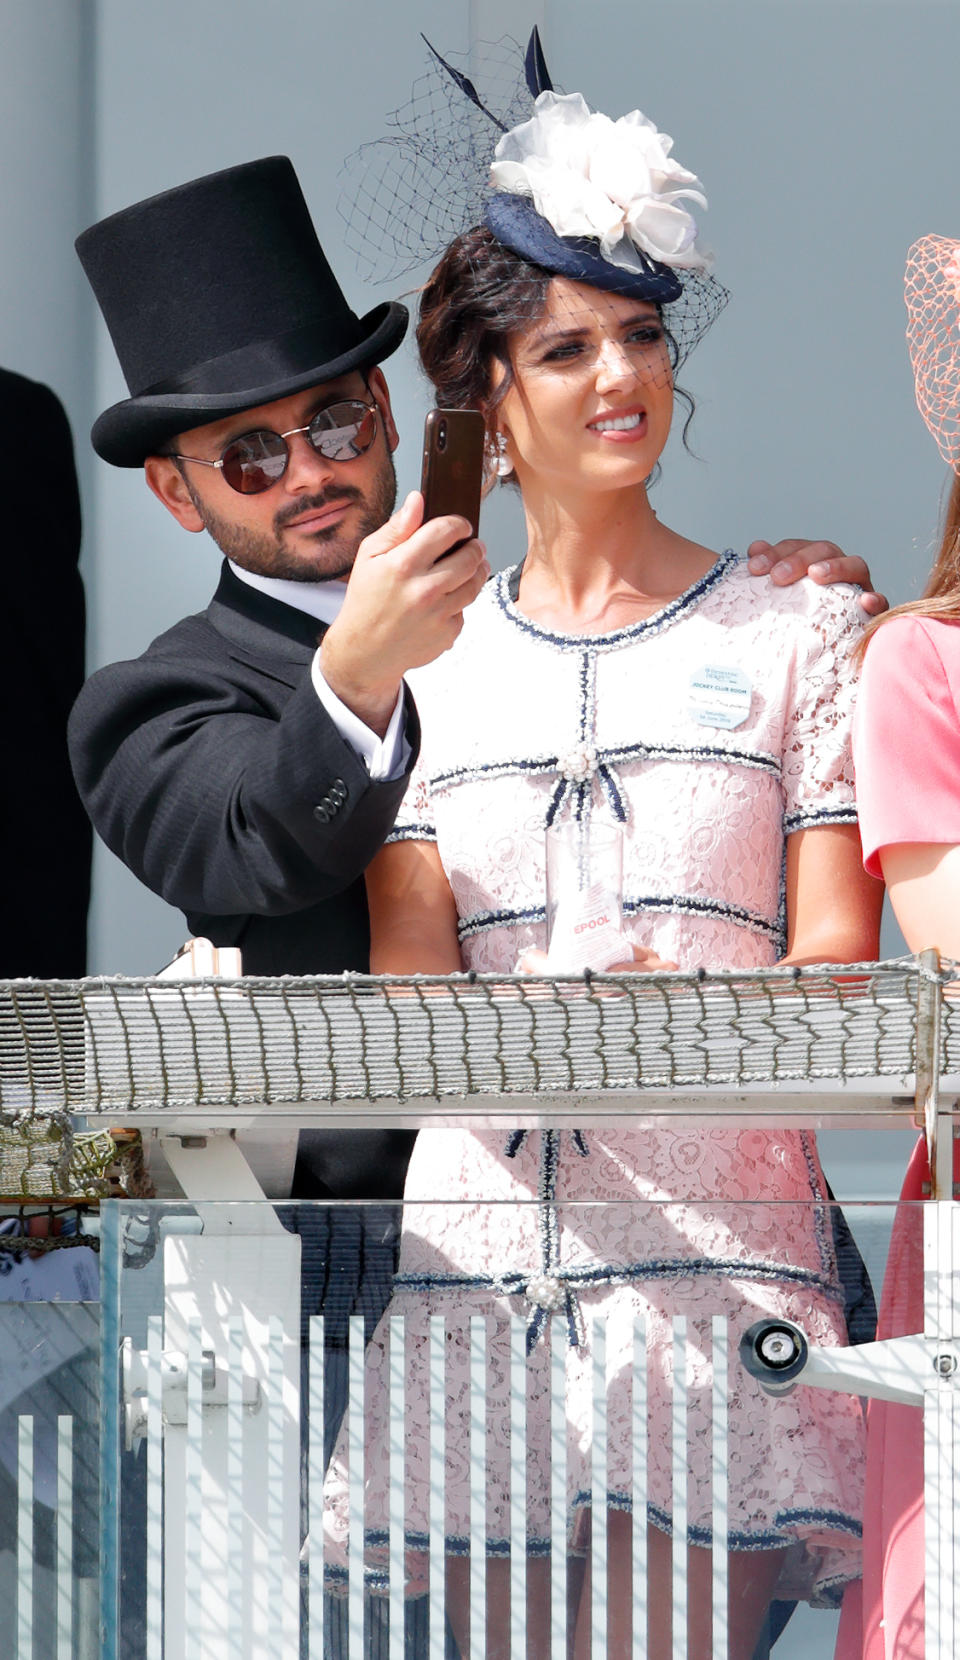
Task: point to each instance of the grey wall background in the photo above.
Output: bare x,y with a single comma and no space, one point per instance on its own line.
822,130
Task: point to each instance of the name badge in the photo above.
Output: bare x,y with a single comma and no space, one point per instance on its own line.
719,696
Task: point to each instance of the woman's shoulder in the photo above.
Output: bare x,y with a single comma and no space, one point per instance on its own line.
833,609
915,648
911,631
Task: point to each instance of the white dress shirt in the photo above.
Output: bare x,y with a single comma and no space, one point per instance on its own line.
384,758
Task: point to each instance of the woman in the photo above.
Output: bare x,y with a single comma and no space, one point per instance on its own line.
584,687
907,751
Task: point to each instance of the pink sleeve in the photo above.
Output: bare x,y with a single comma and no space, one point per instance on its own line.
906,737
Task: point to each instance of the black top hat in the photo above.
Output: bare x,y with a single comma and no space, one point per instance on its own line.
218,297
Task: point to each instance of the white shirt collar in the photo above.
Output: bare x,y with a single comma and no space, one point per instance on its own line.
318,599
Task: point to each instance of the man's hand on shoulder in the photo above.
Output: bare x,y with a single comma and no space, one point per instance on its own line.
404,606
825,563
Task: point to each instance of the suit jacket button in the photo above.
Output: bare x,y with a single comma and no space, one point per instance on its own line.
338,790
322,813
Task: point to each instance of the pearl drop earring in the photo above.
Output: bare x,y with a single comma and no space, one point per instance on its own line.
498,462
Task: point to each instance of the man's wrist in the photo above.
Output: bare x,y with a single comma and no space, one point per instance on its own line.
385,756
372,701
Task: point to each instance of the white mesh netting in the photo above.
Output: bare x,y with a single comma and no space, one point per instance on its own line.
102,1045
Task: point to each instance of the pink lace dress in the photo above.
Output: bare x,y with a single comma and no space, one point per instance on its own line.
522,727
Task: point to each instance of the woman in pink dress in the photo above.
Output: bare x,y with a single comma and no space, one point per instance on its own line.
618,673
907,754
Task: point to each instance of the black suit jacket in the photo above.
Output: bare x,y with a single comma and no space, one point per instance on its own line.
45,840
210,767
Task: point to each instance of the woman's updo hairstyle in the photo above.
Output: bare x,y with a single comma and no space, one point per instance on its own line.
480,294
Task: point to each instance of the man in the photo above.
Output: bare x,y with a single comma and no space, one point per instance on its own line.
250,763
242,770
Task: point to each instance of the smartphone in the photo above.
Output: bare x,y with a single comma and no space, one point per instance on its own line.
452,475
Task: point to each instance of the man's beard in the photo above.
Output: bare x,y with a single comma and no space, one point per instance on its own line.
334,549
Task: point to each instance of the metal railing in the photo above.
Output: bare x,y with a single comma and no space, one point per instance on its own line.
207,1315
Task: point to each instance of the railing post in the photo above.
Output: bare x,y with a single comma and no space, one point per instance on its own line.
929,1004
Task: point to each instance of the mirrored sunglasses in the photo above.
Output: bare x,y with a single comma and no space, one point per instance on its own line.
257,460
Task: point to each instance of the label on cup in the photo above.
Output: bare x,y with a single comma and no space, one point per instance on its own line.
586,932
719,695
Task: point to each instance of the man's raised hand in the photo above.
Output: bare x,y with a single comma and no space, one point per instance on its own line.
404,606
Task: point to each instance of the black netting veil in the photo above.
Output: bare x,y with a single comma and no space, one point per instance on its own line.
407,197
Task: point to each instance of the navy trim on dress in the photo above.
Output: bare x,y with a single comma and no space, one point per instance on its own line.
686,905
784,1531
683,904
826,1243
467,926
514,1282
531,765
824,815
412,833
622,636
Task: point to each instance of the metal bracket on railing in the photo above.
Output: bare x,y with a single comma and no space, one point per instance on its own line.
212,1170
777,1354
174,1385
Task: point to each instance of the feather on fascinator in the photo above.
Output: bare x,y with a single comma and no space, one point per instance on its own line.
932,295
573,192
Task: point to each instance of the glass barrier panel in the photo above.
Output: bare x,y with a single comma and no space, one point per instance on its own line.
49,1473
312,1455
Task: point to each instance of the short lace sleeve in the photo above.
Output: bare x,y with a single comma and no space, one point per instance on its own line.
907,737
817,756
415,821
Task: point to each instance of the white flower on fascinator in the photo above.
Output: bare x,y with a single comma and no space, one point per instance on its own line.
614,180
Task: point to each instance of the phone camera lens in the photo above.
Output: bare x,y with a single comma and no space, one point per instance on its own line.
442,436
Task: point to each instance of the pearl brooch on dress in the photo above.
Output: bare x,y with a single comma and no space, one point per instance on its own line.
578,764
546,1292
